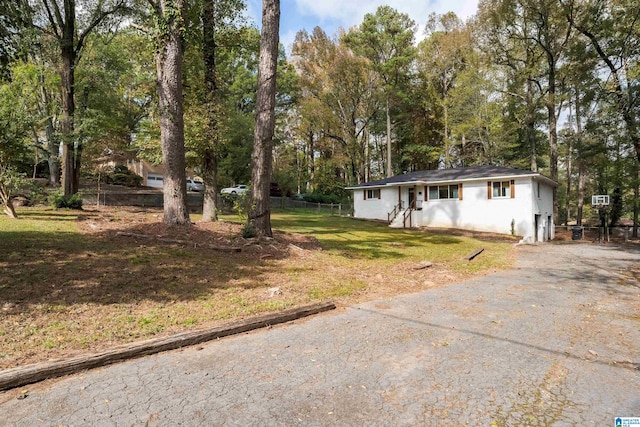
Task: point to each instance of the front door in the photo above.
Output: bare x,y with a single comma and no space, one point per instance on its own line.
412,197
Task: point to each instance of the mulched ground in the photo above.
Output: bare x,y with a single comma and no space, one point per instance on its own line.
138,223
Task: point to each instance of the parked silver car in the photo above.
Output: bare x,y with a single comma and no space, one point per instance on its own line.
194,184
236,190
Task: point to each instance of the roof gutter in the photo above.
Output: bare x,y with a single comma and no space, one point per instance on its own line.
535,176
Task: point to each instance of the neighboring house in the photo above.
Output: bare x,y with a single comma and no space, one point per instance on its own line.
482,198
152,176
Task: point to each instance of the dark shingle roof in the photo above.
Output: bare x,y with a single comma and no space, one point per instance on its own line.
444,175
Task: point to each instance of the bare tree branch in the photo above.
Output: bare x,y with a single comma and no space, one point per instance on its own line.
56,24
100,16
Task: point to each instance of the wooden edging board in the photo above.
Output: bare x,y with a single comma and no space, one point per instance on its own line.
23,375
475,254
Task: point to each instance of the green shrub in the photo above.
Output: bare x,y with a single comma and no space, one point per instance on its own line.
129,179
317,197
228,199
248,230
121,175
10,182
72,202
118,175
242,205
37,194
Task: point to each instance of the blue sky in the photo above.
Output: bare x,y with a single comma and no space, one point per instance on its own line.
332,14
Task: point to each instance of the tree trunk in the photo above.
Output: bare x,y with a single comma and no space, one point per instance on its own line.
582,177
5,198
169,70
530,127
445,139
260,215
209,159
636,202
68,109
389,163
553,133
79,139
53,146
53,149
209,173
581,163
312,164
569,162
367,158
10,210
298,170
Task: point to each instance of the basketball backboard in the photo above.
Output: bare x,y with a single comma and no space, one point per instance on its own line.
600,200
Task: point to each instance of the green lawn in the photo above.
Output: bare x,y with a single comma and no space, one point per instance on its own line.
69,283
373,241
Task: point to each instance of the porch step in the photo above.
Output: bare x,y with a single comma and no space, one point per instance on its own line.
398,221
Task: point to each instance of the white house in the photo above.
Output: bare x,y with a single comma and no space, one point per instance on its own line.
483,198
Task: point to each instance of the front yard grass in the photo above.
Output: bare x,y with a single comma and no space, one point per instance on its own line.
72,282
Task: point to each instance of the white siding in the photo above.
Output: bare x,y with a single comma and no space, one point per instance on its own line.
477,212
543,206
375,208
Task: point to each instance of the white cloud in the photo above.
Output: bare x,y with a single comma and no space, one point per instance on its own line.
467,9
351,12
287,38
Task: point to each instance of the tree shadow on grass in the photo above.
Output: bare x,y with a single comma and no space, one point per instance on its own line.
64,269
167,264
48,216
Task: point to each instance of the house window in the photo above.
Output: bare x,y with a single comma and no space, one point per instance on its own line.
538,190
433,193
501,189
437,192
372,194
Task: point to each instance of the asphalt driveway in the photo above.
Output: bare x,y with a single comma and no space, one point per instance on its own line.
555,342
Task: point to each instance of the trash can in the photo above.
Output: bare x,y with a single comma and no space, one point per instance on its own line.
576,233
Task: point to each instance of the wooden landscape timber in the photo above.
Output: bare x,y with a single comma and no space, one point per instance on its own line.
20,376
475,254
